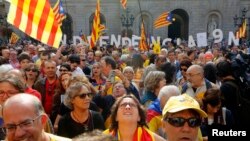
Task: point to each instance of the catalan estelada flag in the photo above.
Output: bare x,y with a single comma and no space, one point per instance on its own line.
124,3
36,19
83,37
164,19
143,46
59,12
242,31
154,116
96,26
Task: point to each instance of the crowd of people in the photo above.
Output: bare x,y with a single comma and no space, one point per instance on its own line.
117,93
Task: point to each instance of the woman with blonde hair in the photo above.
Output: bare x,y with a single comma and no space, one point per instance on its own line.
96,78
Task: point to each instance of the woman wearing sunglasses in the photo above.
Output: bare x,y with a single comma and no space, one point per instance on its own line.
182,118
31,74
80,119
184,65
128,121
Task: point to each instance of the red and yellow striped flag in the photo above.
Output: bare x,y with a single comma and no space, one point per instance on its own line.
162,20
36,19
59,12
143,46
124,3
244,28
96,26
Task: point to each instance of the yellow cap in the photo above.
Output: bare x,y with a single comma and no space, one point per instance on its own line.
180,103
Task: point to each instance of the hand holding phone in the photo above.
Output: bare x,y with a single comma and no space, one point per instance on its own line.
111,77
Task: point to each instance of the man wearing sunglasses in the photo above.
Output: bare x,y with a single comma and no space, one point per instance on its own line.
182,118
27,120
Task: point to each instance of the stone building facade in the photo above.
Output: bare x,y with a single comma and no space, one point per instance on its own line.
192,16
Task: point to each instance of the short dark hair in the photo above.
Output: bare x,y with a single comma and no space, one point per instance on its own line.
169,70
186,62
224,69
23,56
109,60
74,58
66,65
212,96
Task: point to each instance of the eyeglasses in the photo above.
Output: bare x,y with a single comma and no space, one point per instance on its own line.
62,70
179,121
11,128
118,86
129,72
9,93
182,69
83,95
125,104
33,70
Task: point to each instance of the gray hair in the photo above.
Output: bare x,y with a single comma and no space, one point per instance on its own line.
128,68
198,68
168,91
152,79
73,91
14,81
5,68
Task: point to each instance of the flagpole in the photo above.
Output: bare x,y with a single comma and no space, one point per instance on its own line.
65,1
141,12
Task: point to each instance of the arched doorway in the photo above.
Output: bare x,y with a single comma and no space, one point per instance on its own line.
67,28
179,28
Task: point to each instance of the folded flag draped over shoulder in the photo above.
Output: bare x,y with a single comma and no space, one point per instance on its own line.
36,19
141,134
164,19
124,3
96,26
59,12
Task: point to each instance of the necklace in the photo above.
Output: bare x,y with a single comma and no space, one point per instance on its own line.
85,123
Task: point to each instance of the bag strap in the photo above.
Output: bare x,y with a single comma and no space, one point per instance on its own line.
208,84
224,115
